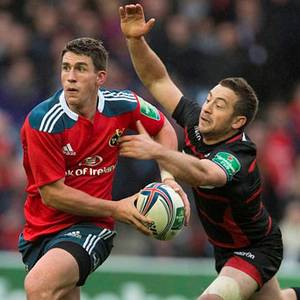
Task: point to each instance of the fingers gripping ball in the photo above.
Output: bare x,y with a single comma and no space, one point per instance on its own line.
164,206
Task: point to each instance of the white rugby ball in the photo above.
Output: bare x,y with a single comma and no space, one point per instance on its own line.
164,206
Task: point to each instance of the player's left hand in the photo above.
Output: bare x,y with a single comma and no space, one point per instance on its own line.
178,189
139,146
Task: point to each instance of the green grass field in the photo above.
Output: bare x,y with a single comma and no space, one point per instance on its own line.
132,278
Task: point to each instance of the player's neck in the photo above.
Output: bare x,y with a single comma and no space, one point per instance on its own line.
86,110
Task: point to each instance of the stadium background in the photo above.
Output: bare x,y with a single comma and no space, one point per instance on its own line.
201,42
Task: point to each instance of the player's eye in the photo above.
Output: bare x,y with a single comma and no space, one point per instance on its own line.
65,67
220,105
81,68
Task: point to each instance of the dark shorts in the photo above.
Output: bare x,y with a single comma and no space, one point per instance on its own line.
89,244
261,260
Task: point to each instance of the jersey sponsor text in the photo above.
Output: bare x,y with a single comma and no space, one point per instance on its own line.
90,171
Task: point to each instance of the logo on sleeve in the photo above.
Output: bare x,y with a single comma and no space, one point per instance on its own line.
228,162
148,109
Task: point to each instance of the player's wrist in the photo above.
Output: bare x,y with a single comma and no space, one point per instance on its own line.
112,207
166,175
157,151
134,39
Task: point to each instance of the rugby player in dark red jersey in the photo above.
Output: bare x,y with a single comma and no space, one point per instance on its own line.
71,147
220,163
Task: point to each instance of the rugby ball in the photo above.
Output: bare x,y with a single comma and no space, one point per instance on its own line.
164,206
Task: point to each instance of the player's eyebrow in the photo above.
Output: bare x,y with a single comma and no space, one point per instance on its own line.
218,98
76,64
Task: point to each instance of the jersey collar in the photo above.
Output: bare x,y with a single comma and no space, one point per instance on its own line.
100,101
73,115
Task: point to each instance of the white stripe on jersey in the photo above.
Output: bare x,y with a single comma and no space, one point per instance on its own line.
48,114
55,120
52,119
117,94
109,96
120,99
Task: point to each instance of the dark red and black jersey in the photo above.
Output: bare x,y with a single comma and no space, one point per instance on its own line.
233,215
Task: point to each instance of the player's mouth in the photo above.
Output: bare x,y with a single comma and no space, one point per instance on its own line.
72,90
203,119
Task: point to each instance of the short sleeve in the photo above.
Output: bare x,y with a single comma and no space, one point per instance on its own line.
228,161
151,118
43,154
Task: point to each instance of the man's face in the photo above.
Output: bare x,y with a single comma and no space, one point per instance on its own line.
79,78
217,114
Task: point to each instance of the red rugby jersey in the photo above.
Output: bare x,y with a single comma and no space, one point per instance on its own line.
58,143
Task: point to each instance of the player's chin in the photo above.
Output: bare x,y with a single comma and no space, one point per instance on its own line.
72,99
203,129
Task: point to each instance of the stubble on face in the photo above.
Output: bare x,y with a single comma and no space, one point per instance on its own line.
217,114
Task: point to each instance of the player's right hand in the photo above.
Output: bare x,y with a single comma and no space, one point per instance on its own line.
125,211
133,22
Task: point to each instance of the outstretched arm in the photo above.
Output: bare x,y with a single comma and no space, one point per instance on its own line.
147,64
194,171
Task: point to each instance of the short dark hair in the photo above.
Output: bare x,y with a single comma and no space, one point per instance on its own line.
247,104
89,47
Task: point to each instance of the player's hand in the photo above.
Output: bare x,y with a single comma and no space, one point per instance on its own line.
177,188
139,146
125,211
133,24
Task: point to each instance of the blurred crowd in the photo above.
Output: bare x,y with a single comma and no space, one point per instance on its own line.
201,42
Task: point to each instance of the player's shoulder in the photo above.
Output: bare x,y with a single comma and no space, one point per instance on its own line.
116,102
240,143
187,112
50,116
233,154
239,147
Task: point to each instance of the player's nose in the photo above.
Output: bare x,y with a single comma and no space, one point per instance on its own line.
71,77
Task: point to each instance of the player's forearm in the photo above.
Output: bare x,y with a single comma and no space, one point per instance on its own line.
147,64
182,166
70,200
167,136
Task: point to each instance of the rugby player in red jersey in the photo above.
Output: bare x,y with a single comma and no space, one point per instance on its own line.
220,164
71,147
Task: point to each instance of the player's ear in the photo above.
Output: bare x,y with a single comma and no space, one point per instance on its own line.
101,77
238,122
